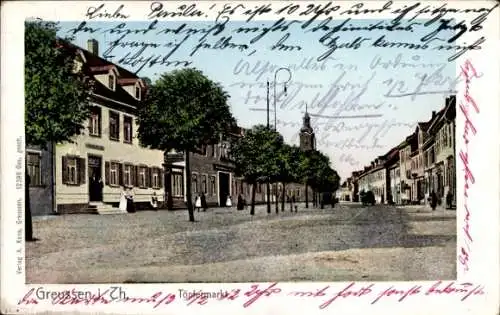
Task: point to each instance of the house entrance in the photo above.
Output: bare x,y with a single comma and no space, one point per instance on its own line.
223,188
95,178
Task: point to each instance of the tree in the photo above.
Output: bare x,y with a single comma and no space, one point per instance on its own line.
183,111
255,156
57,98
289,163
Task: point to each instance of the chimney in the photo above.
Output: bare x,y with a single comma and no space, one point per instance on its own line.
93,46
433,113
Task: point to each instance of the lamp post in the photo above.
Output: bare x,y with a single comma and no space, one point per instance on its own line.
275,122
284,88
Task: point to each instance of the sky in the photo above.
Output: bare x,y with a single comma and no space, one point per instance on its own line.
350,82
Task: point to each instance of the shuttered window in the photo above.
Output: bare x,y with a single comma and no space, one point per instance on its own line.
73,170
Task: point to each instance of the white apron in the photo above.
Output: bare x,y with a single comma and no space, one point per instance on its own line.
197,203
228,202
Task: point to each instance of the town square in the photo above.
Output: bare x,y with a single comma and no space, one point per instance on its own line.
192,175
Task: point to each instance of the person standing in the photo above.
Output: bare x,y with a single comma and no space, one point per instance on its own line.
239,204
204,202
229,203
123,200
130,201
154,201
197,203
433,200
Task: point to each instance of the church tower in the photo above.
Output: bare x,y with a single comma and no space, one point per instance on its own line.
307,139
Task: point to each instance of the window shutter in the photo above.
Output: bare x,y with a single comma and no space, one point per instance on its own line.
106,171
82,171
132,175
148,177
99,112
64,169
120,174
161,174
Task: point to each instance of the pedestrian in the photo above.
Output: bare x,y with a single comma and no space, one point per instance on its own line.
293,202
130,200
433,200
240,203
154,201
123,200
229,203
449,198
204,202
333,200
197,203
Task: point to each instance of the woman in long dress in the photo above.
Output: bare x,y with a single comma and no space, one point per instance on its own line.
130,200
197,203
123,200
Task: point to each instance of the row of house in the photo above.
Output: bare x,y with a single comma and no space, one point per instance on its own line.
89,174
424,162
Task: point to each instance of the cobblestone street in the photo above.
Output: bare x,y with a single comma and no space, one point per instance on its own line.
348,242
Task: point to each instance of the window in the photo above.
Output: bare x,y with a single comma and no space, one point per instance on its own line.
259,188
204,184
33,166
127,175
214,152
142,176
111,81
138,93
113,174
114,125
178,185
127,129
212,185
73,170
95,121
194,183
155,178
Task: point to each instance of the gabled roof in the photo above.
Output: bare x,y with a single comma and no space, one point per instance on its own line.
93,64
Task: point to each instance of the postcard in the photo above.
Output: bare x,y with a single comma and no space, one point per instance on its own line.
221,157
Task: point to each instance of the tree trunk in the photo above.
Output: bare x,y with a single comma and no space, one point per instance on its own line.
321,197
283,198
276,199
28,223
252,207
307,196
291,204
268,197
188,187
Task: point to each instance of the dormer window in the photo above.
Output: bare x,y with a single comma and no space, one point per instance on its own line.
111,81
138,92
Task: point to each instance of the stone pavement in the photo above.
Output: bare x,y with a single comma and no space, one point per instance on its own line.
348,242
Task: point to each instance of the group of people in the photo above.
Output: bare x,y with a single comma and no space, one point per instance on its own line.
127,200
433,200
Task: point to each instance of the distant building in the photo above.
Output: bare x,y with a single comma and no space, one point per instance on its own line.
424,162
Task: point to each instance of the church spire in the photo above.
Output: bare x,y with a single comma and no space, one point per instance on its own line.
307,139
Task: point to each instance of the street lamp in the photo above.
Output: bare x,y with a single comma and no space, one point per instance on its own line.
275,122
284,88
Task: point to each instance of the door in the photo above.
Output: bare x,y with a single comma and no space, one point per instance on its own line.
95,178
223,188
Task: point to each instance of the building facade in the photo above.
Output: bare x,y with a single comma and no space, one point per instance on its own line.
39,167
424,162
91,172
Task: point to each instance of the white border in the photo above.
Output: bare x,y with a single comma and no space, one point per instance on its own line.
483,195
